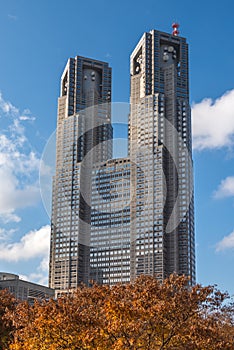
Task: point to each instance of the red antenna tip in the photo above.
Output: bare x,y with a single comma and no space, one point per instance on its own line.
175,27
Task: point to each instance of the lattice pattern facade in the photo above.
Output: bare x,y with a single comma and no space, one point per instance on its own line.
114,219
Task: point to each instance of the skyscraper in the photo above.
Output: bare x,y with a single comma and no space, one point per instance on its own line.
83,125
162,215
114,219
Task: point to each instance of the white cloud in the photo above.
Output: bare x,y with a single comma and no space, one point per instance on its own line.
6,234
213,122
226,243
32,245
226,188
7,107
41,274
19,165
26,117
19,188
7,216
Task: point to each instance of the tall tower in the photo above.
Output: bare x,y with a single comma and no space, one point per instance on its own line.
114,219
84,137
162,215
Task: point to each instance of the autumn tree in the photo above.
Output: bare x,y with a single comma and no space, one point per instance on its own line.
71,322
171,315
143,315
7,303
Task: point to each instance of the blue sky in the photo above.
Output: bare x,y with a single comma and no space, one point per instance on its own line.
37,39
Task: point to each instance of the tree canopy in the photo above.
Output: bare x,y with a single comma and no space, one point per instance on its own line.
7,304
144,315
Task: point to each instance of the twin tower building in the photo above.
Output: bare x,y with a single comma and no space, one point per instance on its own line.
114,219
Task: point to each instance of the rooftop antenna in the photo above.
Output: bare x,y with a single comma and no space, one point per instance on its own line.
175,27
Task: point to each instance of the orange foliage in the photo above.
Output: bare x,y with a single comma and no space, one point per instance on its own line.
7,303
143,315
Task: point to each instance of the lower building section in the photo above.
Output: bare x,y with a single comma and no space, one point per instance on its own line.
125,230
24,290
110,222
